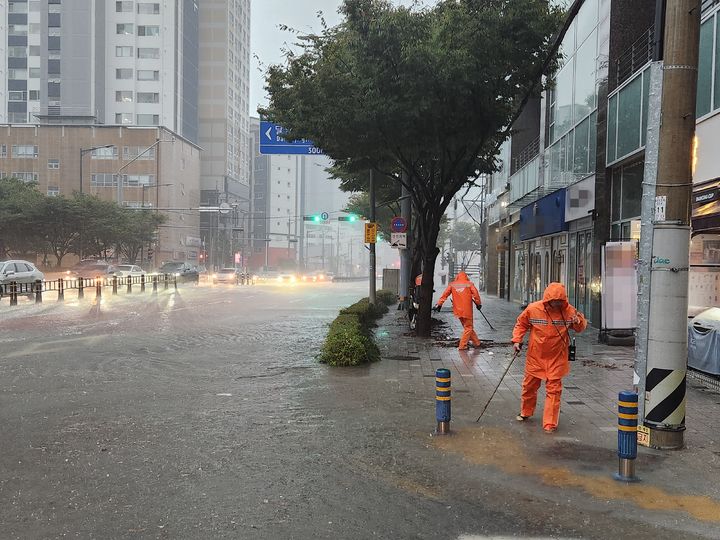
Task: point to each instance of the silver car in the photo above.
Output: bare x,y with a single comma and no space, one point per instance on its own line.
133,270
19,272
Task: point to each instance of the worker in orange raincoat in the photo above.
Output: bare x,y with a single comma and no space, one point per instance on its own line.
549,322
464,295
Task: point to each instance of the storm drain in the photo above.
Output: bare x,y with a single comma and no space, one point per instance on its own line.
571,388
576,403
403,358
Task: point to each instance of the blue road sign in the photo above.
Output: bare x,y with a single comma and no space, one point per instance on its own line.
272,142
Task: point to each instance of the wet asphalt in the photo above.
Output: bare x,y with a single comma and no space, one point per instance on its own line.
203,413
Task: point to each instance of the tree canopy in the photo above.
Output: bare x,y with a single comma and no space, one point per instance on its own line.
32,223
429,91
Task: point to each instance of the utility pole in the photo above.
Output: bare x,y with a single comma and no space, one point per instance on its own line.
372,244
661,362
405,262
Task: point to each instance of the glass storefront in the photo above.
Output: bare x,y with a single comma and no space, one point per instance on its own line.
626,201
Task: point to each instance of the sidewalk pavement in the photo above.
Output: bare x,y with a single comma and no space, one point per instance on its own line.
678,485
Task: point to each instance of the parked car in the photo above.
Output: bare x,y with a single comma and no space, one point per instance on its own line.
183,271
132,270
20,272
227,275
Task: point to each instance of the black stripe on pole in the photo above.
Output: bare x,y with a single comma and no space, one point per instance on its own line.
668,405
655,377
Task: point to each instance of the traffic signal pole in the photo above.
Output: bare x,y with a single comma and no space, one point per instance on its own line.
661,362
372,265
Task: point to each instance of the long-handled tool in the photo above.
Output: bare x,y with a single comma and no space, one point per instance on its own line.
498,385
486,320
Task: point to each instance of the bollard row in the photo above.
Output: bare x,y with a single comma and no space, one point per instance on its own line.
37,288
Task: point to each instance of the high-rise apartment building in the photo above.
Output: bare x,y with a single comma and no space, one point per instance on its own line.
225,121
100,62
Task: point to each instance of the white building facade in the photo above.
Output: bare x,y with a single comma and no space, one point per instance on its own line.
98,62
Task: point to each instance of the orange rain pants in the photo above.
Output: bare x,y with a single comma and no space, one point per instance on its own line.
528,399
468,333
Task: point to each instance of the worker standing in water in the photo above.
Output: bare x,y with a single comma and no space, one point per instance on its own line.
464,295
549,321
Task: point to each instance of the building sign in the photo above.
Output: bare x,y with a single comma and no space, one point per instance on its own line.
544,216
580,199
706,196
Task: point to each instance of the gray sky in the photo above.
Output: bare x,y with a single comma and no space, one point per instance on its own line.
267,40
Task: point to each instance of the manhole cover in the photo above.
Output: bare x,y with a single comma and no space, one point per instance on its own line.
403,358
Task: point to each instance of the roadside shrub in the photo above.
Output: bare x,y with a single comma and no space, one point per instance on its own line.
350,340
348,343
386,297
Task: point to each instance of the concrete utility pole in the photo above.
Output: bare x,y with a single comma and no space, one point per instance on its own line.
372,244
666,234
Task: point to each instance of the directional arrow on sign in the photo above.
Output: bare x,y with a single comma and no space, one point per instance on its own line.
267,133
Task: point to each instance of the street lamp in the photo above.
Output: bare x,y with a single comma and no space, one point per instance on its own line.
133,160
84,151
146,186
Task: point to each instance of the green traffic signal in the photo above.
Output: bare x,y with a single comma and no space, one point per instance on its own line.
316,218
353,217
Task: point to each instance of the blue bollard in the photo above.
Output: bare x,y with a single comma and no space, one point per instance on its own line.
627,436
442,400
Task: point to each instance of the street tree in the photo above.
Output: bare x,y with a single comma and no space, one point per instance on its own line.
137,229
62,222
431,90
20,210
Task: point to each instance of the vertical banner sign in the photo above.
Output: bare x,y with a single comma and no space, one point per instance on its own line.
370,233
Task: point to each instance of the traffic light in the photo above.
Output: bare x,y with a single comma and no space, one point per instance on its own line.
351,218
315,218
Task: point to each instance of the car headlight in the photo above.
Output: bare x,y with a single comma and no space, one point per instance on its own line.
293,279
176,274
214,276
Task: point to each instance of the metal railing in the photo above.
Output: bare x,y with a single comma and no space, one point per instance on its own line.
37,289
635,57
707,5
525,156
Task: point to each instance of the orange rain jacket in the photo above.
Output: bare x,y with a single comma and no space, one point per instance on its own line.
464,294
547,355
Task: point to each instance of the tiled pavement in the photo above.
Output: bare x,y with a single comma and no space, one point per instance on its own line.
589,400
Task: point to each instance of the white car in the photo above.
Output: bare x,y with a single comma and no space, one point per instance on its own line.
132,270
19,272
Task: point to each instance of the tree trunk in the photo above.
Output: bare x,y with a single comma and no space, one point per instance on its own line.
430,252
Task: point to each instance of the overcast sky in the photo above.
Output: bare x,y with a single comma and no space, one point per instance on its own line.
267,40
